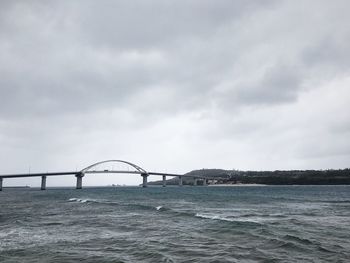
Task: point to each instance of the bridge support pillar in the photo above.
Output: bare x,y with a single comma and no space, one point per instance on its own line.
195,181
164,181
205,183
144,180
43,182
79,181
180,180
1,183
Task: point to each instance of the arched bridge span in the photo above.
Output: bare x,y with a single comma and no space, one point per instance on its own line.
138,168
88,169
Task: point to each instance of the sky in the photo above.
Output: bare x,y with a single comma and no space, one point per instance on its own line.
173,86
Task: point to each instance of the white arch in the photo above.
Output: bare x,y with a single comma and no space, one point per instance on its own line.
138,168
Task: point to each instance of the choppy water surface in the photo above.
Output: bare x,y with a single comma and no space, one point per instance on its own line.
176,224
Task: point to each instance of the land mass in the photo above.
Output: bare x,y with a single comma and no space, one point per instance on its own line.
278,177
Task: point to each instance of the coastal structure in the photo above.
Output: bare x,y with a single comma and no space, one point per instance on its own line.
91,169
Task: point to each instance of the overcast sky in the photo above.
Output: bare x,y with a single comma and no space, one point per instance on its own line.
173,86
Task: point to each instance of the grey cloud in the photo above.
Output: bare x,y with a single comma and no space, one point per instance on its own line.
59,61
329,52
158,23
278,84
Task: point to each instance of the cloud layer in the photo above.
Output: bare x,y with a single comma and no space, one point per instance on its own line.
174,85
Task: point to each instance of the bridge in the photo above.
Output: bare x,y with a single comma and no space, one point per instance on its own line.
91,169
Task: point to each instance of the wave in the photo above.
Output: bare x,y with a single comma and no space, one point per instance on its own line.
335,201
298,239
88,200
292,246
258,221
78,200
275,215
159,208
245,218
213,217
52,224
127,205
252,218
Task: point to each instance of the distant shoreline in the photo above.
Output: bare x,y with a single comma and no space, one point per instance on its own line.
9,187
237,185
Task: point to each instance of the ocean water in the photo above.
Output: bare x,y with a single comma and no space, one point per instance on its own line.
176,224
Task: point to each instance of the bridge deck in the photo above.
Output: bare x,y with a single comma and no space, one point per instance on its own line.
37,174
103,172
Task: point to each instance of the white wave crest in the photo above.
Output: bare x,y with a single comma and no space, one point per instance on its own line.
229,219
79,200
214,217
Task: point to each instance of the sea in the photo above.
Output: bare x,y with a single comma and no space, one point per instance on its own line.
176,224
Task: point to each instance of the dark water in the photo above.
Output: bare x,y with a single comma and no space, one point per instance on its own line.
188,224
